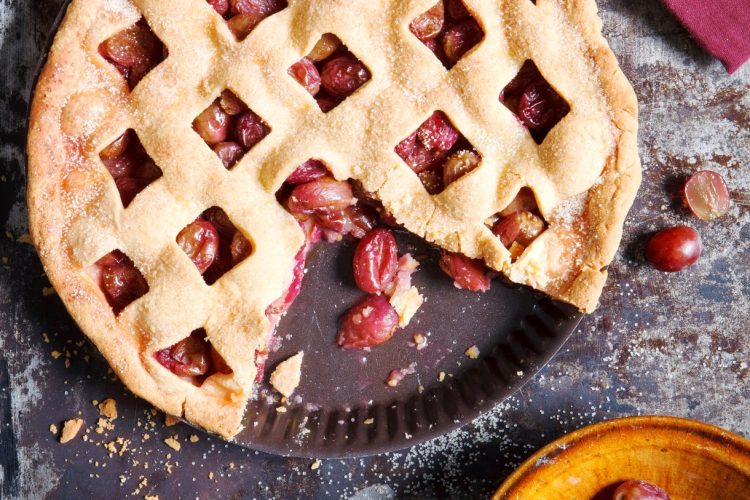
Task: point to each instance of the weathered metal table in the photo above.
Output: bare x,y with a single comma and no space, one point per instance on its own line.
667,344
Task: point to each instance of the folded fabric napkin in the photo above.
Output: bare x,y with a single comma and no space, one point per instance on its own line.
722,27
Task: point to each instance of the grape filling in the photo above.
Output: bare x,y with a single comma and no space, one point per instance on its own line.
330,73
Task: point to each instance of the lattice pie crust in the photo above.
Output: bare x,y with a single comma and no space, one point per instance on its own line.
584,174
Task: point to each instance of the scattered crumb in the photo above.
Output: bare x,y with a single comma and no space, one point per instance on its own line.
152,497
420,341
285,378
210,475
53,428
369,421
315,465
441,376
281,409
172,443
47,291
406,303
194,438
55,354
102,425
108,408
395,377
170,420
70,429
472,352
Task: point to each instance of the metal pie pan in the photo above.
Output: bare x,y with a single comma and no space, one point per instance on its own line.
343,406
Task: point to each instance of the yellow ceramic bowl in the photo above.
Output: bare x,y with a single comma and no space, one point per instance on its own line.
690,460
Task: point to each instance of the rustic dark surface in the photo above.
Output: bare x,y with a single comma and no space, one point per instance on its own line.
666,344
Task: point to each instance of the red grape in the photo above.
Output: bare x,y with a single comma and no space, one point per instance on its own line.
242,24
706,194
343,75
468,274
375,261
305,72
326,46
121,282
368,323
213,124
540,107
240,247
430,24
251,129
320,196
229,153
307,172
189,357
437,132
200,241
459,39
417,156
674,249
220,6
134,51
639,490
507,229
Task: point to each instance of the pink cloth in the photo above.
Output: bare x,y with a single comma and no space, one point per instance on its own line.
722,27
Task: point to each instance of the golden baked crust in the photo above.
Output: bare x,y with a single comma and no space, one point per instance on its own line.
585,174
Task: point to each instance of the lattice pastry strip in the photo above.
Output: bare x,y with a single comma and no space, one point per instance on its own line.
584,173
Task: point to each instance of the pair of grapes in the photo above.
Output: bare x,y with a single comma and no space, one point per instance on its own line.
677,248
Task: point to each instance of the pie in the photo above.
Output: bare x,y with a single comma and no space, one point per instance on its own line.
185,155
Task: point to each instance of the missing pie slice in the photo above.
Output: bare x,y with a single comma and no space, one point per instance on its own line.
184,156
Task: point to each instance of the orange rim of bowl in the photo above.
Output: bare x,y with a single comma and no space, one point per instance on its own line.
737,447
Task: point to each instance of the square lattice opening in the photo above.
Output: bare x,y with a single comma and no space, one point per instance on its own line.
438,153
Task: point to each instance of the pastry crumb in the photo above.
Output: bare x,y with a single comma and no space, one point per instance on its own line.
170,420
281,409
108,408
472,352
420,341
53,428
70,429
406,303
315,465
369,421
210,475
103,424
55,354
441,376
47,291
194,438
173,443
285,378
